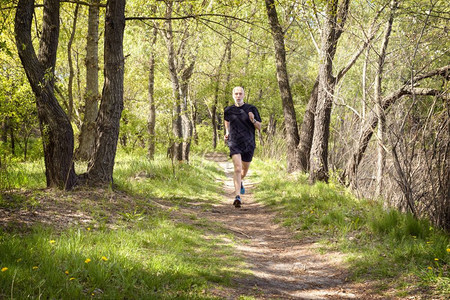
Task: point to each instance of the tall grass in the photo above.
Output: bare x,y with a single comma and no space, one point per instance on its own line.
384,245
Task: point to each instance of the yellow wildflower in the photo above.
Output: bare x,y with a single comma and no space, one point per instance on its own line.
448,250
4,269
72,278
430,268
89,228
104,258
436,259
66,272
52,241
35,267
88,260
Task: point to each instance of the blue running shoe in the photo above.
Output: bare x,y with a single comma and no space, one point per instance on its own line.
242,188
237,202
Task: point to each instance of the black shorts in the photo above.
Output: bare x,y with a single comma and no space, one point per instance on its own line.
245,156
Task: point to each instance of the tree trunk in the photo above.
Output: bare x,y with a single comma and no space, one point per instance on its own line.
214,121
319,149
88,128
186,121
151,96
381,162
100,168
69,58
292,136
4,134
194,114
307,129
177,127
56,130
13,140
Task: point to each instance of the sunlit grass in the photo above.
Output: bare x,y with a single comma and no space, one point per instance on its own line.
14,175
379,244
127,250
160,178
158,259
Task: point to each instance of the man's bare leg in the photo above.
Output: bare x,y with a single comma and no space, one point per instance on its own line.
238,171
245,167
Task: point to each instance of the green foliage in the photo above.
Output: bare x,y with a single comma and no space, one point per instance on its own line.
380,244
205,137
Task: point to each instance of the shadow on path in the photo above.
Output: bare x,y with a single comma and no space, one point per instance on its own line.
282,267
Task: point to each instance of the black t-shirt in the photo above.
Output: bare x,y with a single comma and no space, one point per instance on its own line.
241,134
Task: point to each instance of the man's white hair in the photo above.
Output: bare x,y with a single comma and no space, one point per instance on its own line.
239,87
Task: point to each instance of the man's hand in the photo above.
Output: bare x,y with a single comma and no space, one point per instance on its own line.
251,116
226,137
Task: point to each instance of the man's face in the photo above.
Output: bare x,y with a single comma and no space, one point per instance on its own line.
238,95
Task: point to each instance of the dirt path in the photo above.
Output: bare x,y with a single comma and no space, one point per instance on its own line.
282,267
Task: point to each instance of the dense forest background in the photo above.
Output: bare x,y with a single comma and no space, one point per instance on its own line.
349,91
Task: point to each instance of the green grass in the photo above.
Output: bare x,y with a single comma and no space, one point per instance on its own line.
160,179
387,246
155,259
14,175
129,250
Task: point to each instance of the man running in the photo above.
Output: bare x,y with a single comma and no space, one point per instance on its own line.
241,119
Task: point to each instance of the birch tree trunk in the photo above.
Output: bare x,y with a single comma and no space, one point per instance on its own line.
292,136
100,168
56,130
91,97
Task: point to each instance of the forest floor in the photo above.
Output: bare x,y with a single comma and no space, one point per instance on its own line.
282,267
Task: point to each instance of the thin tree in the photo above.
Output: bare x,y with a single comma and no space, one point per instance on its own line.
151,124
181,67
217,79
86,138
176,148
378,100
69,59
290,121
